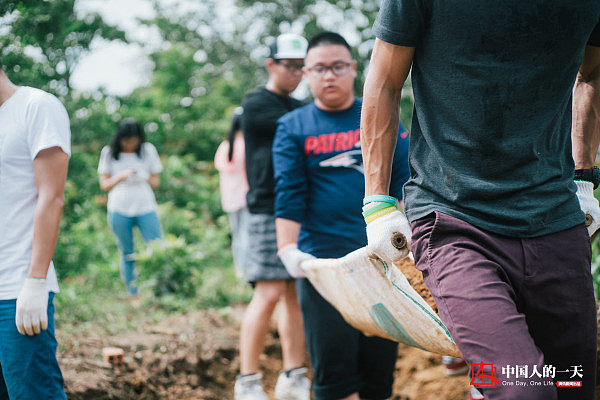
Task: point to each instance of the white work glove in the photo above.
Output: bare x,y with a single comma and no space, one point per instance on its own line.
589,205
32,307
383,221
291,258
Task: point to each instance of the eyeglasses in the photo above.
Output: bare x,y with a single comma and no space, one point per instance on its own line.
338,69
291,67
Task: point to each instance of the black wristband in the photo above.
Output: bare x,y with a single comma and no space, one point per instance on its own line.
589,175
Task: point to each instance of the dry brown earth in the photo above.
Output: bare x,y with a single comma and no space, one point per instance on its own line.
195,357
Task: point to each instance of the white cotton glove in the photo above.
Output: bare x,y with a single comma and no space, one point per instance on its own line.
589,205
32,307
383,221
291,258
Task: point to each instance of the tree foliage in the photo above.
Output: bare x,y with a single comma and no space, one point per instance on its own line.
207,60
210,54
46,40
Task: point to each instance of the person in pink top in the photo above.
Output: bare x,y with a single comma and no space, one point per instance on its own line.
230,161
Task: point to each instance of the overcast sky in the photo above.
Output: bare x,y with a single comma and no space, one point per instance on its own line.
118,67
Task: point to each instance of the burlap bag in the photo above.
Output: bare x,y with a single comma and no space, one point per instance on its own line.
379,300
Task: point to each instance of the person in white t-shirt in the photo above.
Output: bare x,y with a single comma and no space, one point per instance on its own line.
34,155
128,170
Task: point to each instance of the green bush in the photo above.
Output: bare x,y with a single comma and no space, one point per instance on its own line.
192,185
194,242
84,240
170,266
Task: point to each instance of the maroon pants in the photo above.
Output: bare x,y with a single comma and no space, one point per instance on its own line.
521,311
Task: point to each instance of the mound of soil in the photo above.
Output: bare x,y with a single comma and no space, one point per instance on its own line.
195,357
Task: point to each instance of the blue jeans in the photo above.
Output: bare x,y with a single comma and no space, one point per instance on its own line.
28,366
122,226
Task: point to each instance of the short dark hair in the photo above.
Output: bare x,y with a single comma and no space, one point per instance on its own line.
129,127
328,38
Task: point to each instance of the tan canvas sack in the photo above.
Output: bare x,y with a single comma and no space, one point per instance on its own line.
377,299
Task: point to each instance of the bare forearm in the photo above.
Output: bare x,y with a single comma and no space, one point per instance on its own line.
107,182
586,122
46,225
585,133
378,135
388,71
287,231
154,181
50,172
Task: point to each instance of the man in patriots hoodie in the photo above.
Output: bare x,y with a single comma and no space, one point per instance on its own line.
319,187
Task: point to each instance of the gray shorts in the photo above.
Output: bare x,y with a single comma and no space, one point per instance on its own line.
262,263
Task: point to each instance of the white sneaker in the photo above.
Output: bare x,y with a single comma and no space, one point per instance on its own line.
293,385
249,387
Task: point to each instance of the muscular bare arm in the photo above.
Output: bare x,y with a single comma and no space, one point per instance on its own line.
388,70
585,134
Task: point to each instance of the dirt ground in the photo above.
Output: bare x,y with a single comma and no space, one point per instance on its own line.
195,357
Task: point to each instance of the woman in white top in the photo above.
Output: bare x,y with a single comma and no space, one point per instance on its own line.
128,170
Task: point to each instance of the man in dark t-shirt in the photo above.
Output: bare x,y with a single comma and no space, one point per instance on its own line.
498,183
264,270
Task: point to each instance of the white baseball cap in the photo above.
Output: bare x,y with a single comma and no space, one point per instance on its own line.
288,45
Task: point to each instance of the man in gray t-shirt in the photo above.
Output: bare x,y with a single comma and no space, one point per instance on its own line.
496,225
